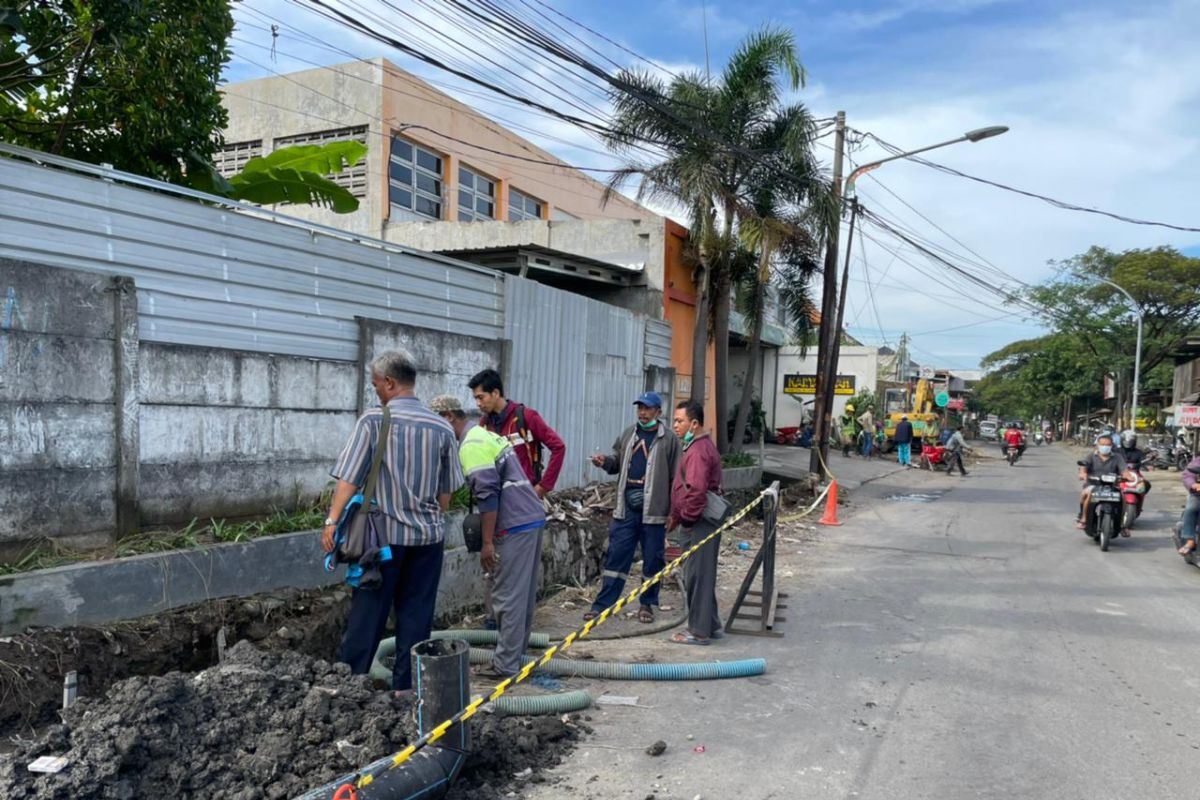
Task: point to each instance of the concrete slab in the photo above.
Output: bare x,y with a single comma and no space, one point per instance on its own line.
100,592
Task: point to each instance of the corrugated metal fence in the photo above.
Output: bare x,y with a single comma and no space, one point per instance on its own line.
579,362
220,278
263,282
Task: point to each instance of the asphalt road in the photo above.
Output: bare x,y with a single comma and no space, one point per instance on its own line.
972,646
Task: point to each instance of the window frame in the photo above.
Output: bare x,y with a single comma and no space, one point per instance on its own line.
416,171
354,179
523,214
472,212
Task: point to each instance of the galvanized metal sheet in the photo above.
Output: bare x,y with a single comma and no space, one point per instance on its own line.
658,343
579,363
215,277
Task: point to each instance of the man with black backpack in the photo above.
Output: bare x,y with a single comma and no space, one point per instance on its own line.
528,433
523,427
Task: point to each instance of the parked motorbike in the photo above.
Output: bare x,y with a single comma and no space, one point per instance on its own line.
1182,455
934,457
1104,509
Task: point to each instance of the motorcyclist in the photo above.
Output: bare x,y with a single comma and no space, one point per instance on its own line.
1015,437
1134,457
1104,461
1191,512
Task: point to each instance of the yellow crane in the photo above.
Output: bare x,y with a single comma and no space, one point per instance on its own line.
925,421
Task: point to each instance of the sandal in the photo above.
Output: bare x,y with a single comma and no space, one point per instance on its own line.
687,637
1188,547
488,672
588,616
645,615
1127,533
1080,526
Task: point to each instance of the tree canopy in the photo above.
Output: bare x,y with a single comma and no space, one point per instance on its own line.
132,83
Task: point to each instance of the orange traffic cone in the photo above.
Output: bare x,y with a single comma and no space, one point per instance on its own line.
830,517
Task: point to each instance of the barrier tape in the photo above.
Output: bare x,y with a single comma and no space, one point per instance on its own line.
476,704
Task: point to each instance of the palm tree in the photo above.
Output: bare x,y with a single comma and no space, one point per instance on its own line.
716,138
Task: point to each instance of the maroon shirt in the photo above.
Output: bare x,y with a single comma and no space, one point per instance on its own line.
699,473
540,431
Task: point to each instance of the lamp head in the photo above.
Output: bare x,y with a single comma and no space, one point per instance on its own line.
985,133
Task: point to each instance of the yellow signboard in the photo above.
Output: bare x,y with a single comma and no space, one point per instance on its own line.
807,384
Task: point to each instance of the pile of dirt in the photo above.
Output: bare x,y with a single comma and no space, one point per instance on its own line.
259,725
32,664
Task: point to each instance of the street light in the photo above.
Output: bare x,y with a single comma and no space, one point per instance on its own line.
1137,355
977,135
833,308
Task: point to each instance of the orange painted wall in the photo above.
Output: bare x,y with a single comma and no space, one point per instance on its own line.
679,309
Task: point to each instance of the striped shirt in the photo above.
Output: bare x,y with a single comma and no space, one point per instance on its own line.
420,463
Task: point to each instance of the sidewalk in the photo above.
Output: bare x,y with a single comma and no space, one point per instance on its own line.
792,462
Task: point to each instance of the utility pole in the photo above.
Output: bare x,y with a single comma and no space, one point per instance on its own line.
828,333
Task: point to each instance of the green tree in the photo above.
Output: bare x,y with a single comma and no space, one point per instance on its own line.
718,135
132,83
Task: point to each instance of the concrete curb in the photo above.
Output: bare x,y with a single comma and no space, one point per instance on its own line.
99,592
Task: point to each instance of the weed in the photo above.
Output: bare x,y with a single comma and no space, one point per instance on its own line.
738,460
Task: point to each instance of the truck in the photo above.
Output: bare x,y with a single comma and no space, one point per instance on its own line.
925,421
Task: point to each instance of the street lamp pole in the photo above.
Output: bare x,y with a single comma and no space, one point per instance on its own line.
1137,356
832,311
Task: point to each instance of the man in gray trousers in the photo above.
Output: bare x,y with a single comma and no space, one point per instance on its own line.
699,476
512,517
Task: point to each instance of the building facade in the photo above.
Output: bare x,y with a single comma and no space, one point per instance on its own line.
441,177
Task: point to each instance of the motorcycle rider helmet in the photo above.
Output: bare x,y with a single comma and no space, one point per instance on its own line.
1129,438
850,406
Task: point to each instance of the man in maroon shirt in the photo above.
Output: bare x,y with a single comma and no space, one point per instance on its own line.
699,474
523,427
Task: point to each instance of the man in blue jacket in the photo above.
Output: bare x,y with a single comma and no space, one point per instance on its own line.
512,517
904,437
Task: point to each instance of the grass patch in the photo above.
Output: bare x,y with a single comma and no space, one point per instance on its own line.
46,554
731,460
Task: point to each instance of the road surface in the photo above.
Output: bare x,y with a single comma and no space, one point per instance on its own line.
971,646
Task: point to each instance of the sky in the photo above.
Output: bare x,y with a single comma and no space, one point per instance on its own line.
1102,98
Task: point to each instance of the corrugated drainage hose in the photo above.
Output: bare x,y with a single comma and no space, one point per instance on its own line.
615,670
509,705
481,637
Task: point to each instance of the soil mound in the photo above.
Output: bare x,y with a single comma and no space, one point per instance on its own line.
260,725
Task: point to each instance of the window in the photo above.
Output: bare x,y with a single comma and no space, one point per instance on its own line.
354,179
231,158
476,196
414,181
522,206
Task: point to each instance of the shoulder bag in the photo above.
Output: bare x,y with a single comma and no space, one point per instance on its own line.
359,530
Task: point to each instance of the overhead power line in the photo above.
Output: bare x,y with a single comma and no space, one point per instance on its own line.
1063,204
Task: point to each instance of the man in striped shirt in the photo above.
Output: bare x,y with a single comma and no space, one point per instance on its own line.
417,475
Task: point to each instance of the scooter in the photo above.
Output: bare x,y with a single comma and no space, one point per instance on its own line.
1012,453
1037,438
1133,489
1104,509
1192,557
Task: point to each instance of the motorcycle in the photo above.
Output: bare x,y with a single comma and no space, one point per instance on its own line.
1133,489
934,457
1037,438
1012,454
1192,557
1104,508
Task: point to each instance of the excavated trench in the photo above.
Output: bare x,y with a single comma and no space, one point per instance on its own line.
158,716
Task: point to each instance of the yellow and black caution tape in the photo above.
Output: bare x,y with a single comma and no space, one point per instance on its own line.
368,775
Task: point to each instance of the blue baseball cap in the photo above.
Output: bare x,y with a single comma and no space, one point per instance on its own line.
650,399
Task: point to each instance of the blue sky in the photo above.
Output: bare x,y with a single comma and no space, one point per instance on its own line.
1102,97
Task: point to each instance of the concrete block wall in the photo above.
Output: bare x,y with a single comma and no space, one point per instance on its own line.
227,433
58,423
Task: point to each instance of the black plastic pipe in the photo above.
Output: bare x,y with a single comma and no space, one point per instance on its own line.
441,677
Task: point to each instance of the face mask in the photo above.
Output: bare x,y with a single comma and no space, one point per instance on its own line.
687,437
646,426
1105,449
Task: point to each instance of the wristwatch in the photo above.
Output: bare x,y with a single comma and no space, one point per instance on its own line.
330,521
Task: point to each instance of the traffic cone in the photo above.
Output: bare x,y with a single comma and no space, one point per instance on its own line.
830,517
